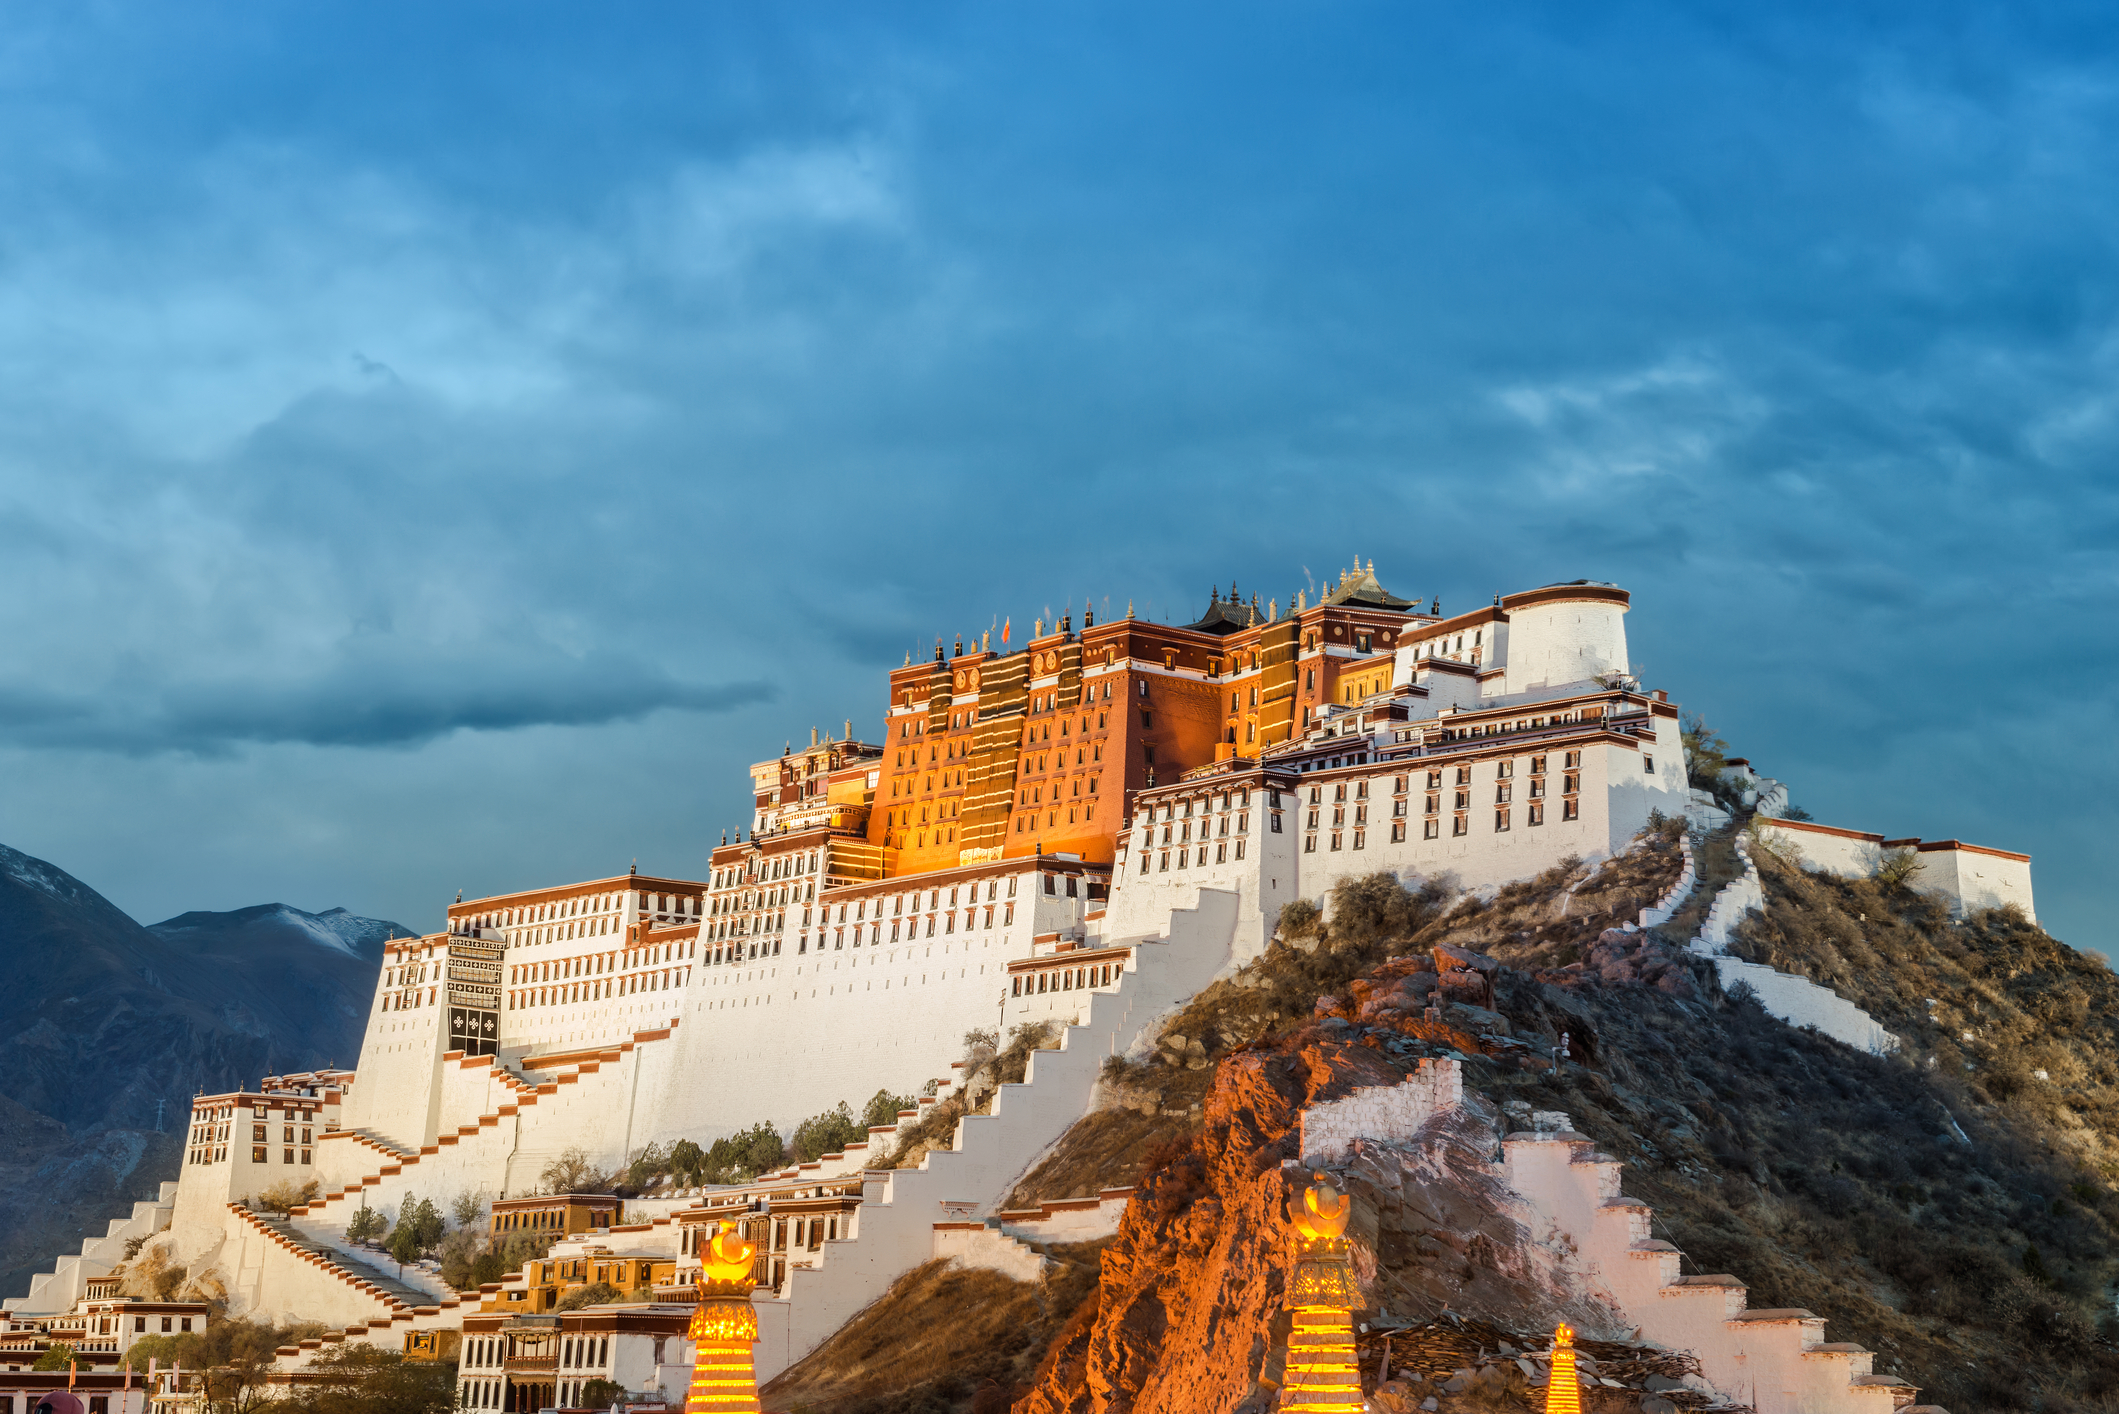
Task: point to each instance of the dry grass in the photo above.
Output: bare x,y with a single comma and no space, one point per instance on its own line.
1141,1107
942,1339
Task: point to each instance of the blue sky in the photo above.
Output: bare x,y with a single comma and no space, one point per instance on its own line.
439,446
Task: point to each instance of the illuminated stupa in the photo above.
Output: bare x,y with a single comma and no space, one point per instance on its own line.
1322,1374
1563,1392
723,1330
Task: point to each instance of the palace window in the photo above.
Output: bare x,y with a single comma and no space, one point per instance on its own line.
1537,765
1335,839
1309,844
1570,809
1537,813
1501,793
1464,775
1573,761
1461,825
1500,820
1397,832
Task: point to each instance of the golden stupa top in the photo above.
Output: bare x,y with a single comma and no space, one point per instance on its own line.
728,1258
1324,1213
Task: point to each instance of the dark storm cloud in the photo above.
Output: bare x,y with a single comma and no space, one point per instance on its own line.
382,705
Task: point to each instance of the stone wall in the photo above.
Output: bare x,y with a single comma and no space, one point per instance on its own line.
1390,1113
977,1245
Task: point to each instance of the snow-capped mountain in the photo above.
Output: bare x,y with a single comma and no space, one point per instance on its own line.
334,929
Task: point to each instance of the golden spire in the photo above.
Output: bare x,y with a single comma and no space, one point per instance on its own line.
1563,1392
1322,1374
723,1330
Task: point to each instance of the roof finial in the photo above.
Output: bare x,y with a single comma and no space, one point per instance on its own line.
459,895
1129,608
634,870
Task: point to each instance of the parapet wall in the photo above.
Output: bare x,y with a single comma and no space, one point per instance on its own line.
1383,1112
1964,876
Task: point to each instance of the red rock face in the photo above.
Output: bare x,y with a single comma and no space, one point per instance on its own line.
1188,1313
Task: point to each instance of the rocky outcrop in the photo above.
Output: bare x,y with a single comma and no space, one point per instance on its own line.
1187,1317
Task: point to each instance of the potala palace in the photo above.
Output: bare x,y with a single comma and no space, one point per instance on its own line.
1082,829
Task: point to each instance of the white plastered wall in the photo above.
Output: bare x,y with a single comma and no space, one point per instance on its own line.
1848,854
1263,881
1616,797
1973,878
1567,641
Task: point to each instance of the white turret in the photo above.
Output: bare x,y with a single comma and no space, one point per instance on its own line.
1565,633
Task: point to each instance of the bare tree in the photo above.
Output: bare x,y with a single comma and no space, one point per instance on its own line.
572,1172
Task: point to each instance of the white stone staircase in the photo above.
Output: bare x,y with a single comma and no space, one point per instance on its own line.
896,1223
67,1282
1775,1360
1795,1000
1673,899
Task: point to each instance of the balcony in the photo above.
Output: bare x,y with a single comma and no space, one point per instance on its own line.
532,1364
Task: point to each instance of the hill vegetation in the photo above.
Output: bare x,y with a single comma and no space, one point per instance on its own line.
1949,1206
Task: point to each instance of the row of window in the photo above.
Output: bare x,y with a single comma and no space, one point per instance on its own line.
560,969
259,1154
1196,855
1431,827
784,866
1066,979
600,990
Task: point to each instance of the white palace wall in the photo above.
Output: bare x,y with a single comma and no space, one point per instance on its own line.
1617,796
1264,881
775,1038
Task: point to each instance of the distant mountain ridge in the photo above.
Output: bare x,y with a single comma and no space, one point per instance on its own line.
115,1025
334,928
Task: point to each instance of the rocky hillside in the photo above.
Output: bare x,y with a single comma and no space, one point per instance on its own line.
115,1024
1949,1207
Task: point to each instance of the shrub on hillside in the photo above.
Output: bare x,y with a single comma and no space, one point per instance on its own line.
883,1110
1301,919
826,1133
